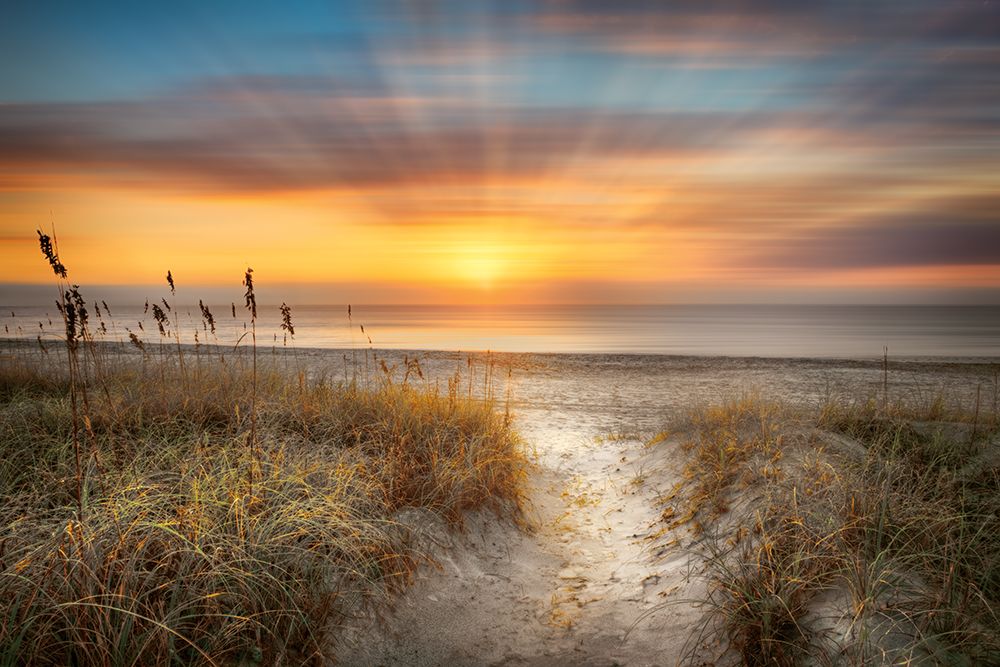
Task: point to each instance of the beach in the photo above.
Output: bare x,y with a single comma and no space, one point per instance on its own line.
596,580
507,334
597,566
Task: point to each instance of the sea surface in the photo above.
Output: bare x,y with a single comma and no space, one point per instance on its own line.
776,331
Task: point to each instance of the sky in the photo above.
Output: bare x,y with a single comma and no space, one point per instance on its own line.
513,152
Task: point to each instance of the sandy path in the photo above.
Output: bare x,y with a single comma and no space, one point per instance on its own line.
586,587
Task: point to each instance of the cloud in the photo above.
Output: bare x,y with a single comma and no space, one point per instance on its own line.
835,21
272,133
949,232
846,135
425,106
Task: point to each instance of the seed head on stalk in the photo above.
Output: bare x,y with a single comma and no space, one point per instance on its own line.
45,243
251,299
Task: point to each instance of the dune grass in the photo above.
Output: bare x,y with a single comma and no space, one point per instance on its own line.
164,507
176,553
861,534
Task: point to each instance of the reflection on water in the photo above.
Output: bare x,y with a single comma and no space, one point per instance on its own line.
735,330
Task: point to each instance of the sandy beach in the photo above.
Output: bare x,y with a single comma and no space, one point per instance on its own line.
641,470
595,579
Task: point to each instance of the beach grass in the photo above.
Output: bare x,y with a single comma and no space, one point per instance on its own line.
188,547
160,505
864,533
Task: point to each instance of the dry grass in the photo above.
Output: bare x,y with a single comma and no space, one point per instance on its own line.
157,509
861,535
175,558
731,447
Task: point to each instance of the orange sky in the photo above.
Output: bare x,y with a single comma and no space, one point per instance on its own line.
572,154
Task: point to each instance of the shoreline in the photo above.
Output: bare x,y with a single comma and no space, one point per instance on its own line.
912,360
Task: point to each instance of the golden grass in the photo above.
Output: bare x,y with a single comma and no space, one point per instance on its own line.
216,510
175,555
862,534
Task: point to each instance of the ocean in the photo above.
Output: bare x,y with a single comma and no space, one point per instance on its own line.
776,331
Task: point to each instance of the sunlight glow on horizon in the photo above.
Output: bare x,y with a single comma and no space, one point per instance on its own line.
573,152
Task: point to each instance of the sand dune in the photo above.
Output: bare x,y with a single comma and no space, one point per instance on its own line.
596,580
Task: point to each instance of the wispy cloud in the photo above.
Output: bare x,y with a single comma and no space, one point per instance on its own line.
766,136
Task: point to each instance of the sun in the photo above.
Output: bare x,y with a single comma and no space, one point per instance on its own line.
480,266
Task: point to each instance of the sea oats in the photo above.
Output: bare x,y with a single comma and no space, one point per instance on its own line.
251,298
45,243
161,319
286,319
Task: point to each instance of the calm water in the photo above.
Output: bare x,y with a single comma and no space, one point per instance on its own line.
856,332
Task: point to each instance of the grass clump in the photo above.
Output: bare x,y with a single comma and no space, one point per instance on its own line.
181,545
858,535
731,447
161,509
